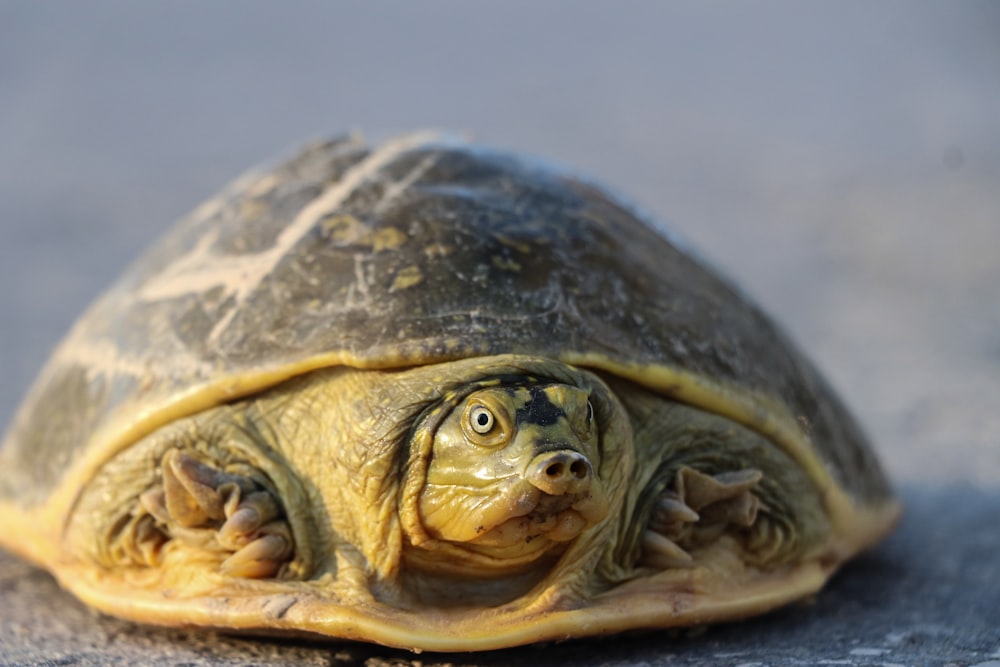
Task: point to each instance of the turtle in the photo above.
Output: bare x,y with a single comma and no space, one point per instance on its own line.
437,396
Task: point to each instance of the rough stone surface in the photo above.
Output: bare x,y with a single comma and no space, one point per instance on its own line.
840,162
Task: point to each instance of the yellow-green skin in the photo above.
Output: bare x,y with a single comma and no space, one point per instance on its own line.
319,330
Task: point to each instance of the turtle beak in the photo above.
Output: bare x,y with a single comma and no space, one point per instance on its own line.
560,472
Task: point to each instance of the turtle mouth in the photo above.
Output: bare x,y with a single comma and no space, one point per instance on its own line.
508,512
557,518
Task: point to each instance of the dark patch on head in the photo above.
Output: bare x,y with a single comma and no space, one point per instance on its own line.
539,409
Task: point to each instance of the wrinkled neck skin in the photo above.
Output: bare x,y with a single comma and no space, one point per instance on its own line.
385,471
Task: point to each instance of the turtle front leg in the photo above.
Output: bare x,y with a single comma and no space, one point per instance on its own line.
211,509
698,509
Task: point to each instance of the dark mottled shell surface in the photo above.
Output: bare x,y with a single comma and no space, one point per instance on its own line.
415,251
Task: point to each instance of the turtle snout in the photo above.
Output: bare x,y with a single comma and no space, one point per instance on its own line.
560,472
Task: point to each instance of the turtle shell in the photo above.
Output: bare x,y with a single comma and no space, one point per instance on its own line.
417,251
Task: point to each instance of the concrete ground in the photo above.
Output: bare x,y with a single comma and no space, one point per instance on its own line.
841,161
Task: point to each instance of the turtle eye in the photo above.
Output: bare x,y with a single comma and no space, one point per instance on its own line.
481,420
590,413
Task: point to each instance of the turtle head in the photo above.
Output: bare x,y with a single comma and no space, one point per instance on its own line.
512,474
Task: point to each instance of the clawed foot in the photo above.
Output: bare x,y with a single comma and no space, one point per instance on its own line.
219,511
698,508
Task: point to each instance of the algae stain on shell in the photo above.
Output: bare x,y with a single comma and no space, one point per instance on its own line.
406,278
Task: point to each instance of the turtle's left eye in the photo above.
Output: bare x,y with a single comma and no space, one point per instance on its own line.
481,420
590,413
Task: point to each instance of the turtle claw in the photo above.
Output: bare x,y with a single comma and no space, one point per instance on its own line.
671,513
722,497
662,552
209,509
245,519
263,556
698,509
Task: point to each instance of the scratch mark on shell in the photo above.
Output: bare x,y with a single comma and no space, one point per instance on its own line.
201,269
276,607
307,218
393,190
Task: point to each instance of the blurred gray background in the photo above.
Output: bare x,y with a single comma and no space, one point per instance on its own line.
840,160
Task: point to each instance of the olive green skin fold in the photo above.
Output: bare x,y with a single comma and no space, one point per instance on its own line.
419,252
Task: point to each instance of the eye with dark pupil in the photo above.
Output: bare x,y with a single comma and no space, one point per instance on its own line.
481,420
590,412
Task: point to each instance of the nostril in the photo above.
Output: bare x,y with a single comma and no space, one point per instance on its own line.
577,469
560,472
